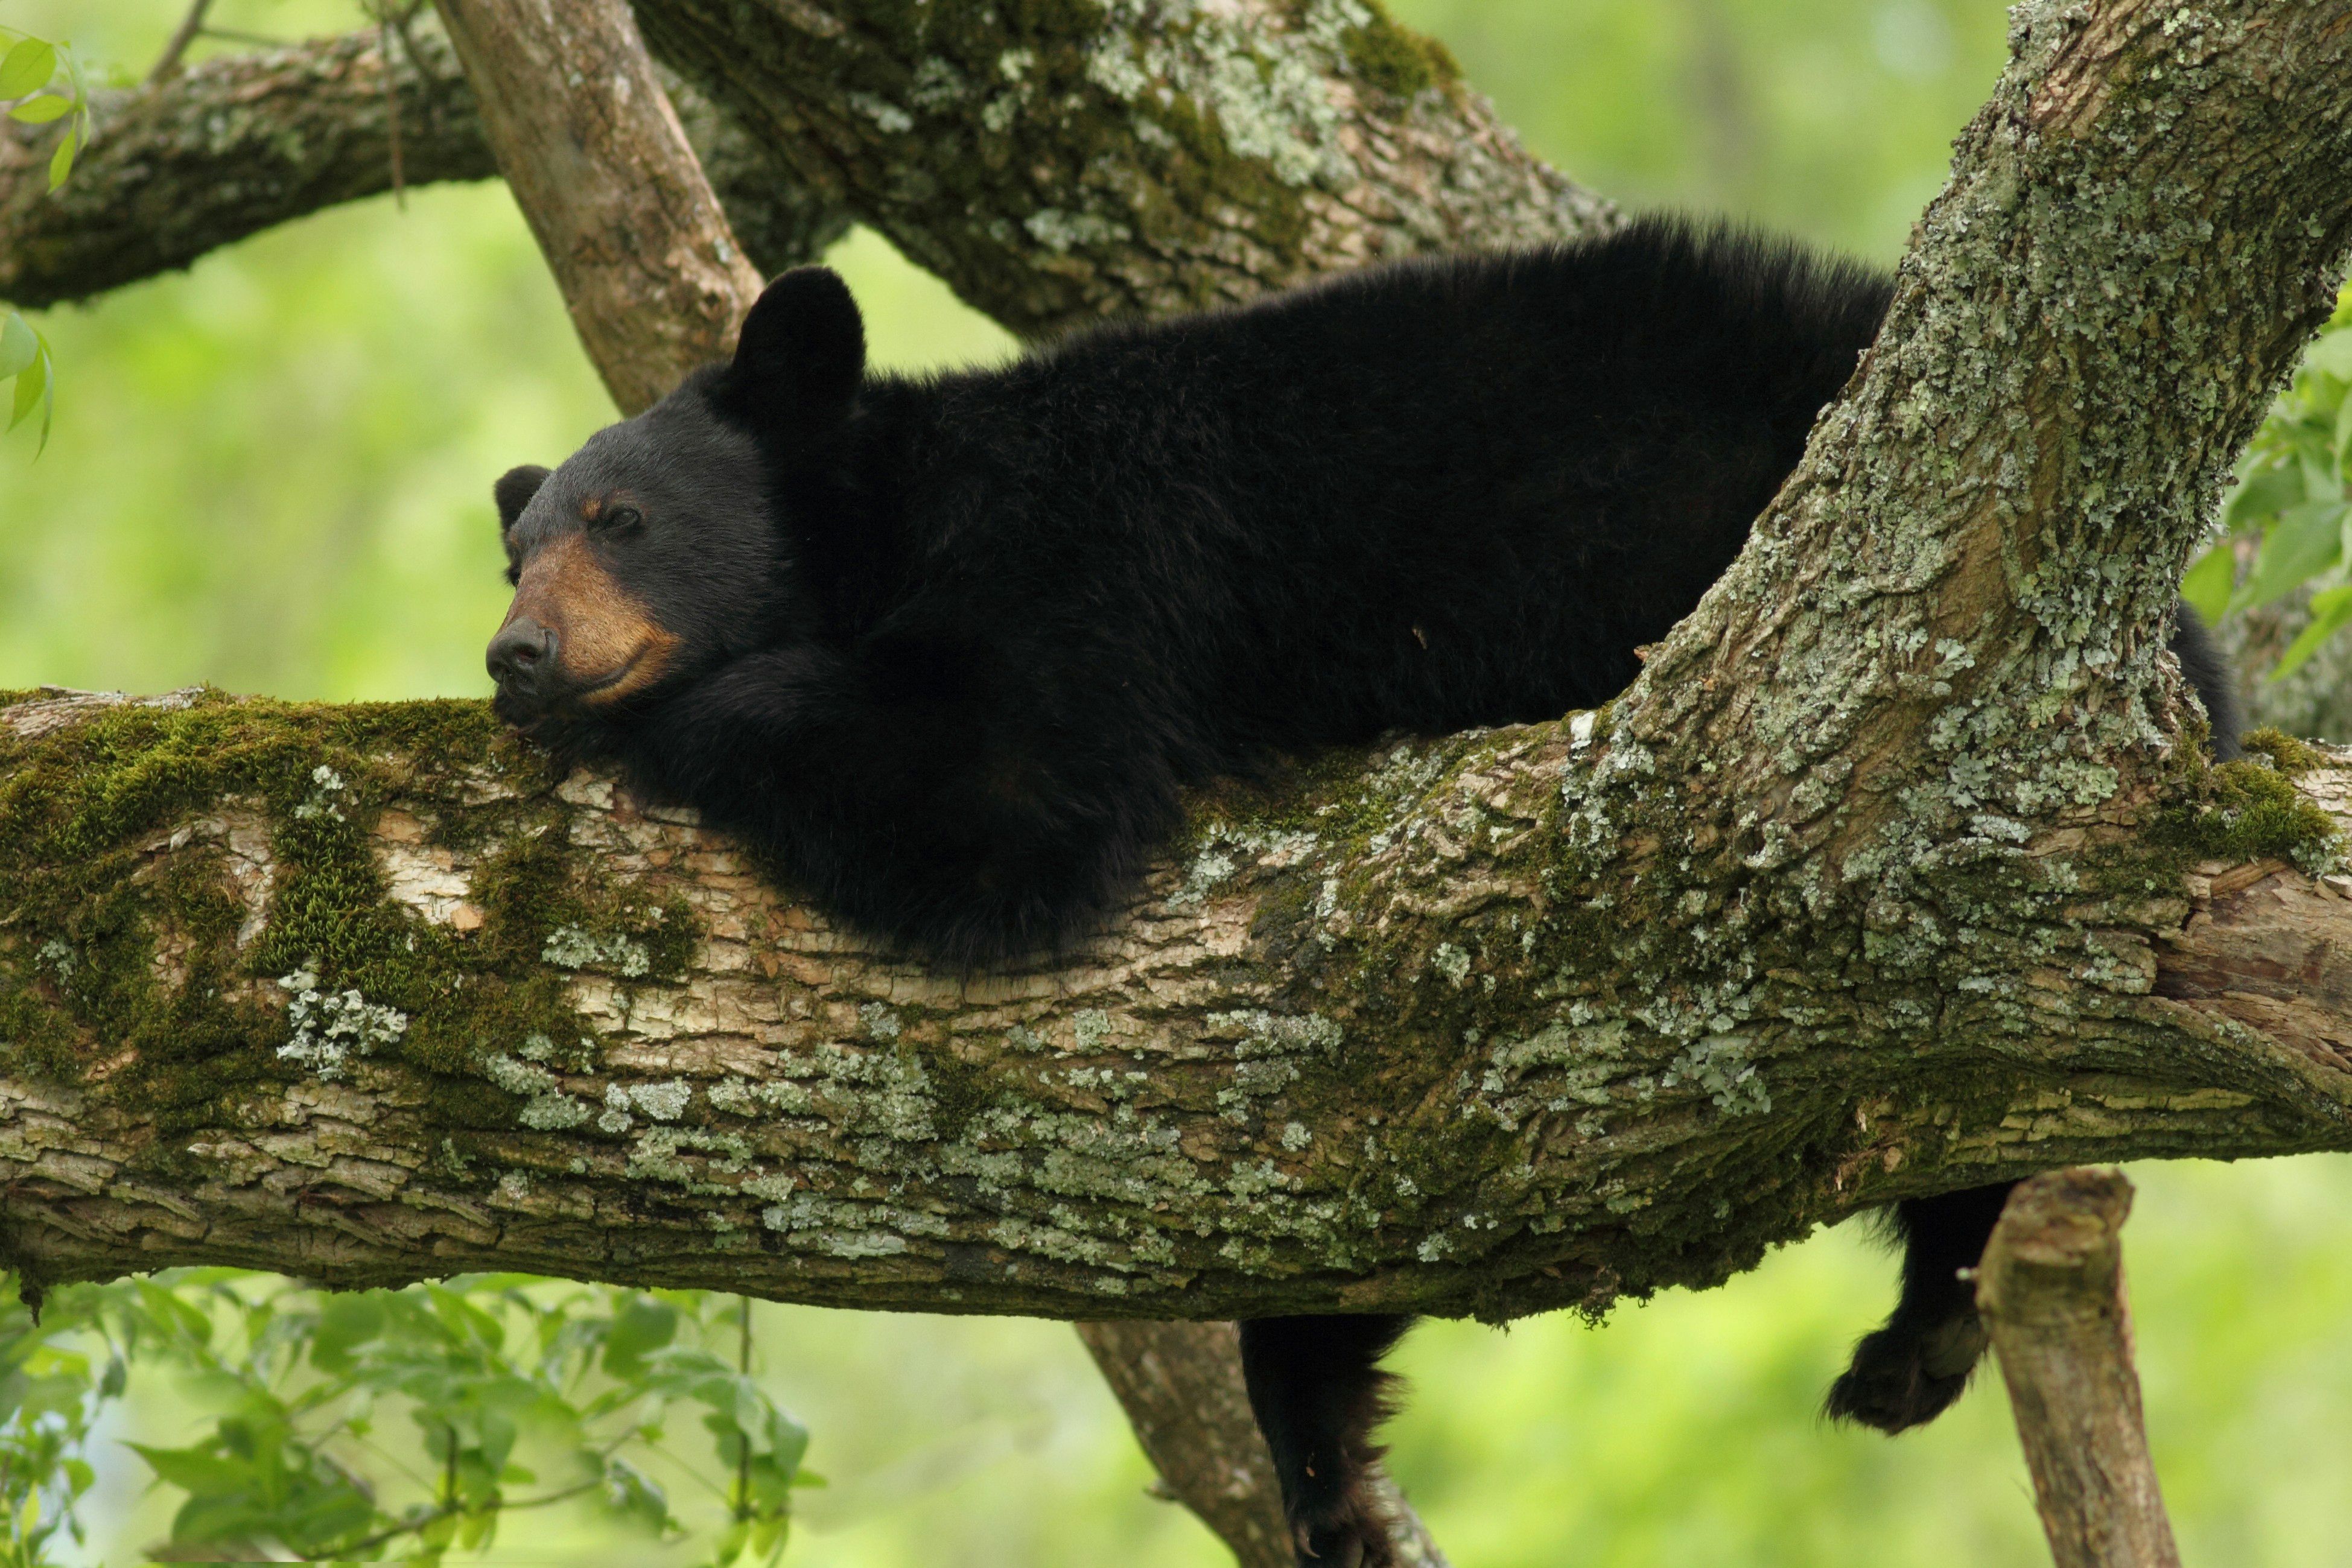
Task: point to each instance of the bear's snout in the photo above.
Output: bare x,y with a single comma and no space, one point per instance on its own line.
520,657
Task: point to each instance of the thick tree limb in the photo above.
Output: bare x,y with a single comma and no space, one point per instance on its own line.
241,143
1181,1386
1060,162
1124,164
2051,1289
621,1055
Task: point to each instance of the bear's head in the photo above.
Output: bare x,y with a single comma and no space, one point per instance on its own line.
659,549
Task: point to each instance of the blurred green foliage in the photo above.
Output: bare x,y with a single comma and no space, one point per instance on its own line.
488,1371
41,83
2285,520
273,474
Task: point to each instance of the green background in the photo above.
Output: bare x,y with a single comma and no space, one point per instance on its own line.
273,474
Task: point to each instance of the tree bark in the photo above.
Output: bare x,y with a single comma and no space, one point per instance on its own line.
242,143
360,993
2051,1289
1891,875
1181,1386
1056,163
1122,165
655,280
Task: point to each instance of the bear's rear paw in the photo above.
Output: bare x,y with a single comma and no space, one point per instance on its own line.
1346,1533
1901,1376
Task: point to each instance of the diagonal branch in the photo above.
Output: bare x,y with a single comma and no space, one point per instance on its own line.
2051,1293
655,280
1181,1386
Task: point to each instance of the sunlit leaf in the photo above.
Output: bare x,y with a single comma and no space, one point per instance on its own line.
27,67
2264,493
644,1325
31,381
2331,611
42,109
2207,583
61,162
2307,540
17,345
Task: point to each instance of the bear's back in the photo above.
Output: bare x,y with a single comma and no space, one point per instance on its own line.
1443,493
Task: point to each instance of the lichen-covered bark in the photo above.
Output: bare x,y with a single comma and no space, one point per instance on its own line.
362,993
1052,162
244,143
1057,160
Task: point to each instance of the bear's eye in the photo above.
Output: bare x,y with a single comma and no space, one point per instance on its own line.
620,519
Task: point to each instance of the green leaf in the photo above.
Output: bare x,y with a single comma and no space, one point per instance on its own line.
2331,611
2332,354
42,109
347,1321
18,345
2307,540
31,381
639,1328
27,67
2207,584
61,162
2262,495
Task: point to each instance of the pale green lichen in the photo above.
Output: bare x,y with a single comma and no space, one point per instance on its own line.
664,1102
572,947
332,1026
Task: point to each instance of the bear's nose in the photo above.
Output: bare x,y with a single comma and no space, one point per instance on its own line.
521,654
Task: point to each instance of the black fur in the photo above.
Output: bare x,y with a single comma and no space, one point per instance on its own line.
1317,1391
947,649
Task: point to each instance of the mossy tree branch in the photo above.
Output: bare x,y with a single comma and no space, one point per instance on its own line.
363,994
1054,162
210,155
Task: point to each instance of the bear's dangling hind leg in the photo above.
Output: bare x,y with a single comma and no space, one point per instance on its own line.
1316,1388
1911,1369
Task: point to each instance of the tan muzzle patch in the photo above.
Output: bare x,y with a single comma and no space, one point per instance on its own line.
606,645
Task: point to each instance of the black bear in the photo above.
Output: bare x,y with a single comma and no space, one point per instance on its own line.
944,651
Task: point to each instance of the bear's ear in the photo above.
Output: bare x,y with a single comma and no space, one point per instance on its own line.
801,355
513,492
